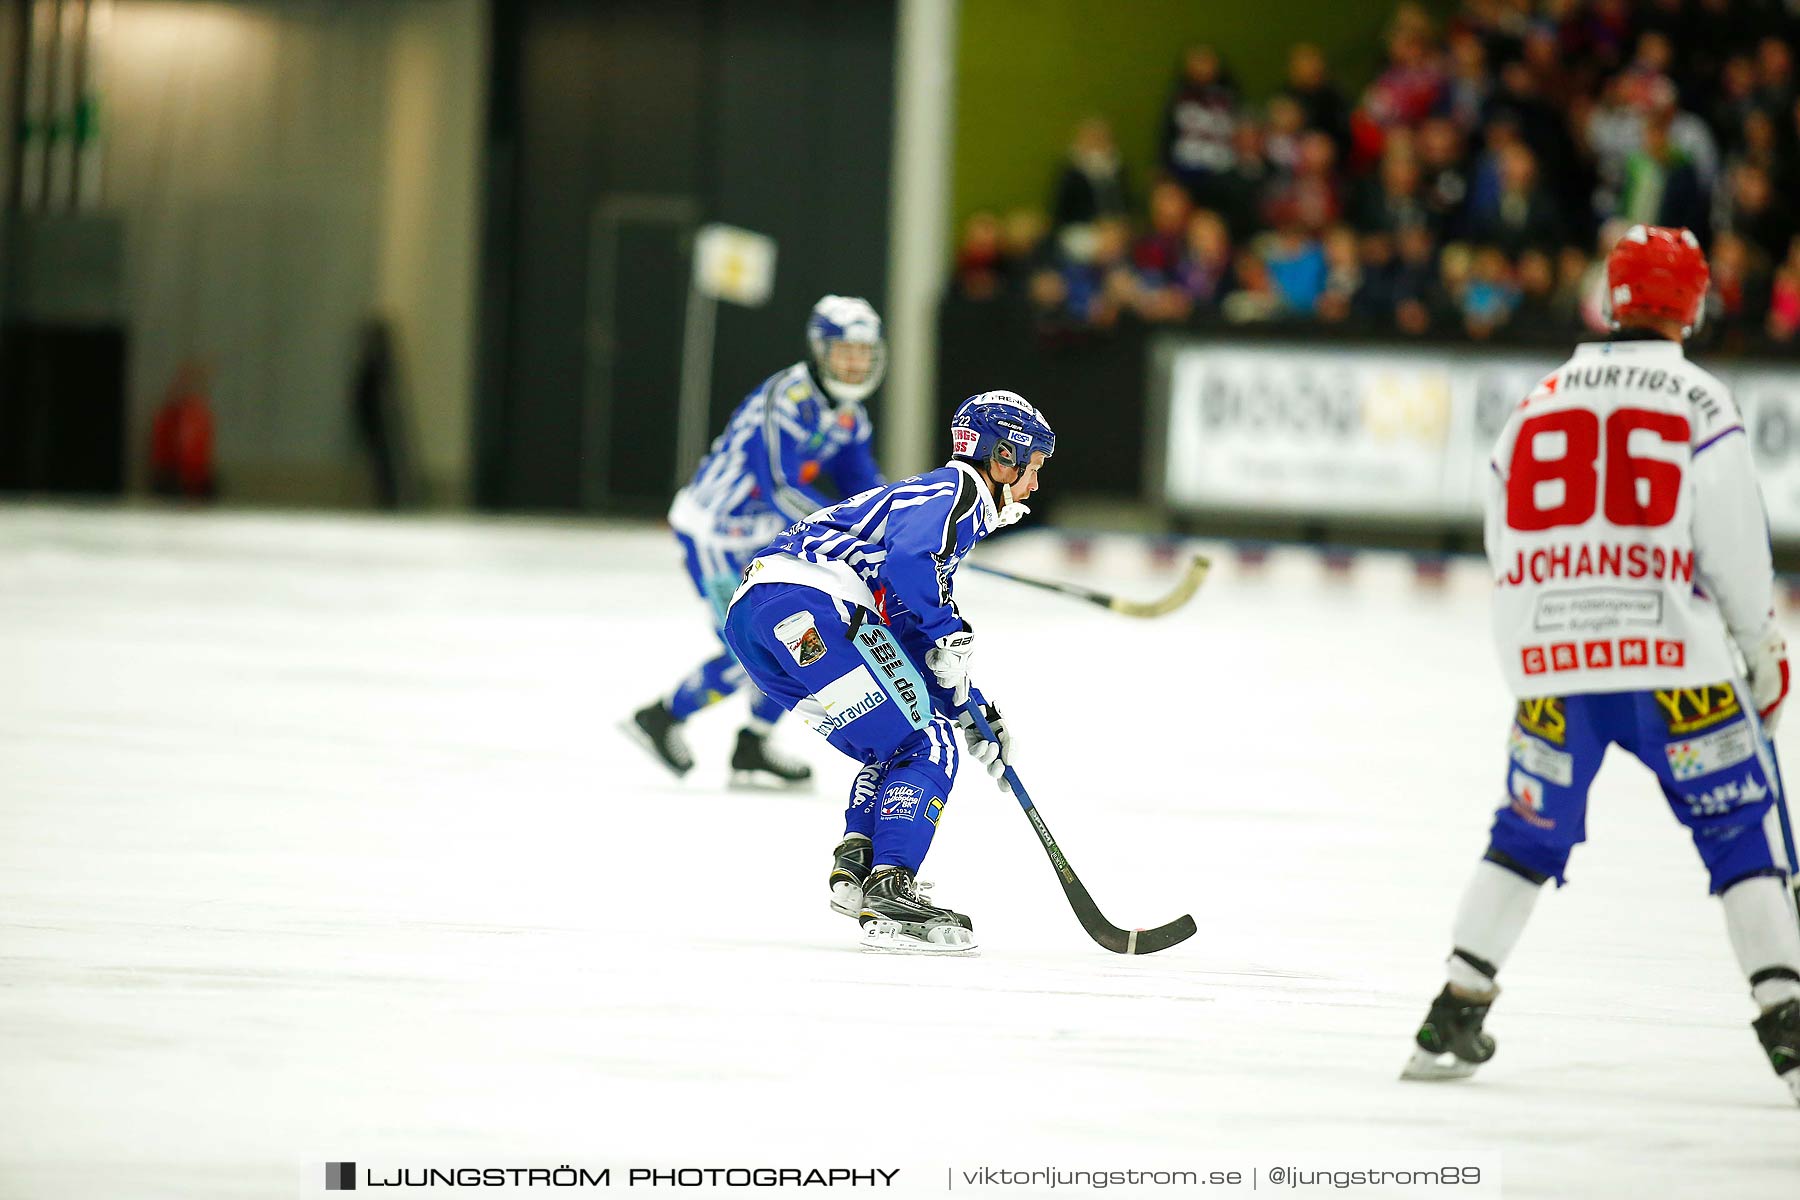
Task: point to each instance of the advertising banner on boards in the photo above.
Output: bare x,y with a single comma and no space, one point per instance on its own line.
1361,432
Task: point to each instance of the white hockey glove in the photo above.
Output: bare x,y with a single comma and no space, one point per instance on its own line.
1766,659
994,756
950,663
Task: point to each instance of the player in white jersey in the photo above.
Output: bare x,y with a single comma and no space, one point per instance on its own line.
1632,573
800,425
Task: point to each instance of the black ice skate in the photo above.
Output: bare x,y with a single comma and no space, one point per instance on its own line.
1779,1031
849,867
1450,1042
850,863
754,765
656,729
896,919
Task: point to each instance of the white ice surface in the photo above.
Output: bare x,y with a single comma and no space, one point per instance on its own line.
316,842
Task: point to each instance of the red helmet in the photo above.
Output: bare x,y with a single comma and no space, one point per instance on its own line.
1657,272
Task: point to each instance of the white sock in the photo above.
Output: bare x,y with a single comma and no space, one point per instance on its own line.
1489,920
1764,936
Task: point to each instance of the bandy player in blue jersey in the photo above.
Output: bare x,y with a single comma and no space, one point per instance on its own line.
850,619
800,424
1633,606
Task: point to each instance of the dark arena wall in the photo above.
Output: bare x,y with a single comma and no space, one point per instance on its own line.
615,131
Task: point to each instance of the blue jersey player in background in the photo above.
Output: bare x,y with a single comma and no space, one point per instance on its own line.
801,425
849,619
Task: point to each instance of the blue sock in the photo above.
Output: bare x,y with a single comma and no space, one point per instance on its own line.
913,795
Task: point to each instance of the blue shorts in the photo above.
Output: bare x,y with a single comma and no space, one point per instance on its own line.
716,569
795,643
1708,753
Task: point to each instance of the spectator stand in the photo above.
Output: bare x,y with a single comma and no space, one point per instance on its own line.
1466,198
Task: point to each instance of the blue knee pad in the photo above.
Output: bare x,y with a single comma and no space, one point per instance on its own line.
913,794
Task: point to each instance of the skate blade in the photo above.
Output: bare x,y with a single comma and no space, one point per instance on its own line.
1792,1079
763,781
630,729
846,899
1427,1067
892,937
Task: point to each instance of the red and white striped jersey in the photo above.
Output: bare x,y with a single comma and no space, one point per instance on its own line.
1624,527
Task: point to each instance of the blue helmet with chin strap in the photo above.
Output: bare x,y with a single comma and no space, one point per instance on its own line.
1000,427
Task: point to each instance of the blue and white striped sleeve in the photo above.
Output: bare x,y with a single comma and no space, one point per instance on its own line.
922,535
777,466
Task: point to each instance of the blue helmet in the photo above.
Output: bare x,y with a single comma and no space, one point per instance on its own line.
853,320
999,427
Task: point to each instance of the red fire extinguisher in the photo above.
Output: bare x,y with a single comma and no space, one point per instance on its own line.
181,438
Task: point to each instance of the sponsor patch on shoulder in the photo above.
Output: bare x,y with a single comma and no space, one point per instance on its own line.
800,634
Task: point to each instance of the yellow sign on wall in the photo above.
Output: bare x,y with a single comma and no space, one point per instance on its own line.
734,264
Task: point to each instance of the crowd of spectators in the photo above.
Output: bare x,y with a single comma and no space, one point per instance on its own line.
1473,188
